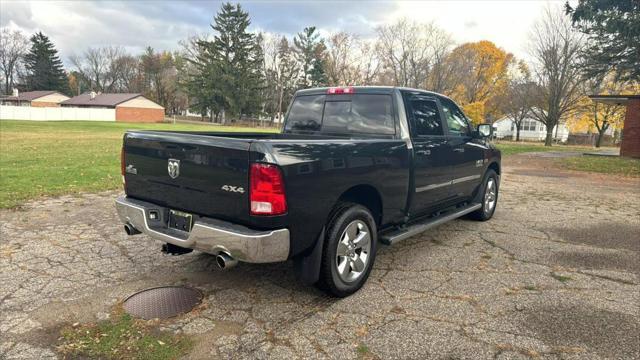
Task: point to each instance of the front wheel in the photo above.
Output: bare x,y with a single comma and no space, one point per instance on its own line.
349,250
488,196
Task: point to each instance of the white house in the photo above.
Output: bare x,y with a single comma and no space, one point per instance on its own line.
530,130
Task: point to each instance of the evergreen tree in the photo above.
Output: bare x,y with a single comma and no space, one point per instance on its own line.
288,70
44,68
613,28
237,61
311,55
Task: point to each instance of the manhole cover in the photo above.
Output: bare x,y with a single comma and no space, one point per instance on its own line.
162,302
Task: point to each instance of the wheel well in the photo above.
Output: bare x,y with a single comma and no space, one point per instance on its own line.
367,196
495,167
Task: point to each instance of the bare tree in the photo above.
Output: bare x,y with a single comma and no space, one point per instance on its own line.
440,76
13,45
103,67
555,48
516,103
369,63
288,69
406,51
127,74
350,60
270,66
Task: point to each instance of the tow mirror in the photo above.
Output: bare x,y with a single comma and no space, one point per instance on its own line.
485,130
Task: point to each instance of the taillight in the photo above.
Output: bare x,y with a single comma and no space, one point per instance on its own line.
340,90
266,190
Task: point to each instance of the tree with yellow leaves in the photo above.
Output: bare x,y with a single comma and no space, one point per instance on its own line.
481,73
597,117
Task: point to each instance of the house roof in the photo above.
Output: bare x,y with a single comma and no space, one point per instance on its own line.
100,99
613,99
30,95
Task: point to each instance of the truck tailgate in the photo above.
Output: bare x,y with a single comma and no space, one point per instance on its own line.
212,179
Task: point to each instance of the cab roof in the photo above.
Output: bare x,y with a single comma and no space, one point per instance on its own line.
367,90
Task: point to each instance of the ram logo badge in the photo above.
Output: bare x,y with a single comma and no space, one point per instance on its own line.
174,168
230,188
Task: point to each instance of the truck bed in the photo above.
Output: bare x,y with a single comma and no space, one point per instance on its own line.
316,168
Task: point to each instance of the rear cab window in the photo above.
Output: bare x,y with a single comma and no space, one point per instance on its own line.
371,114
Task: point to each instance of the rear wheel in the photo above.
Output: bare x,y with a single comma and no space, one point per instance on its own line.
488,197
349,250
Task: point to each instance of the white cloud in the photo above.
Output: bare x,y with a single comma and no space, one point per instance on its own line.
75,25
506,23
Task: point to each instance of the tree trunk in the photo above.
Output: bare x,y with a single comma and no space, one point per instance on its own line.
599,139
280,97
549,139
517,133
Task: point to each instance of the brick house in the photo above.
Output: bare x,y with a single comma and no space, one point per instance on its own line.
129,107
42,98
630,145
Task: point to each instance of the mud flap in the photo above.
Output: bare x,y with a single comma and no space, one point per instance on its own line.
307,268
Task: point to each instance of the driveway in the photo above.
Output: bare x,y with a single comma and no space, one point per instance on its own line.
555,274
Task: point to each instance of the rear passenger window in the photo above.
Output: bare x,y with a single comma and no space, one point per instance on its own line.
306,113
426,117
365,114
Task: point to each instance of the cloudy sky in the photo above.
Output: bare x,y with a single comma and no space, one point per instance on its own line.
76,25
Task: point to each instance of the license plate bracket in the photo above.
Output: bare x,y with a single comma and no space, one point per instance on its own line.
180,220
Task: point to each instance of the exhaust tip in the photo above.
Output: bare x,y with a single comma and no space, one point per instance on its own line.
130,230
225,261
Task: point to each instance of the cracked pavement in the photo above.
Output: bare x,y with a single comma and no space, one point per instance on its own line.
555,274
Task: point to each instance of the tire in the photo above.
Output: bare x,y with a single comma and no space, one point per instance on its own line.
347,258
487,196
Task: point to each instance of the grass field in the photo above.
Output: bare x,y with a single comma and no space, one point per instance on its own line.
512,148
602,164
54,158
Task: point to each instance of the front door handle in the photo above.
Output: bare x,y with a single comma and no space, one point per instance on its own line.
423,152
460,149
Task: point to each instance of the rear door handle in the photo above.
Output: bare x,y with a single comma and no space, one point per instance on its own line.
423,152
458,149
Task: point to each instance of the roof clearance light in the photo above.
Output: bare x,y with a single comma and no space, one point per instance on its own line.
340,90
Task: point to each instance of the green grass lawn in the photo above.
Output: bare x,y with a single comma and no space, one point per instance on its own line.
55,158
121,337
512,148
602,164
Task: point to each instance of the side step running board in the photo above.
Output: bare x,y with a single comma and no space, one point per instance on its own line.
395,236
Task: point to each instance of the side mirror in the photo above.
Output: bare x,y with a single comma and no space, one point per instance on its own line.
485,130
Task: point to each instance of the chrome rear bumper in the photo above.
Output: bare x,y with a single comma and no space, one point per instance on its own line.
208,235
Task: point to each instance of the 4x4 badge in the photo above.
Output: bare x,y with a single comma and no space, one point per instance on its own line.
230,188
173,168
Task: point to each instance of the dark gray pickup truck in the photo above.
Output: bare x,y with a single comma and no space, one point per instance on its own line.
352,166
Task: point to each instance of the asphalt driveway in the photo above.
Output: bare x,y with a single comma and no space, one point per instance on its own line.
555,274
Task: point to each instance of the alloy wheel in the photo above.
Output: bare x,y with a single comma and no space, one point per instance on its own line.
353,251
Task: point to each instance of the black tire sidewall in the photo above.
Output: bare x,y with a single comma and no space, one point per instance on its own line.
354,212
